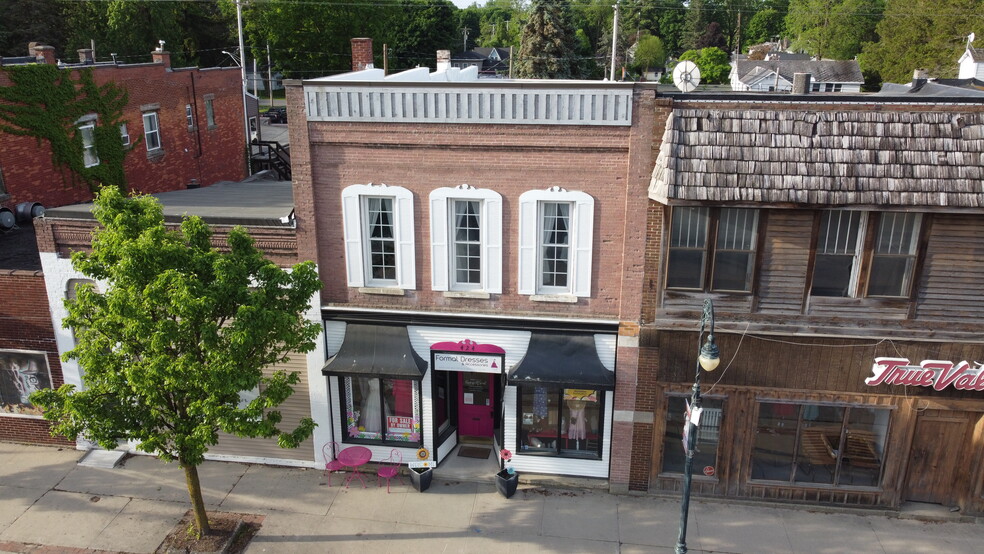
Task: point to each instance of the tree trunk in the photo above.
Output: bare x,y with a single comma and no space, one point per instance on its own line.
197,502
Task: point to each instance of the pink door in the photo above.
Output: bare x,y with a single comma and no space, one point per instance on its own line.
475,404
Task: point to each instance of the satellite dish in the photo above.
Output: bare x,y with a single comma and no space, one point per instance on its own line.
686,76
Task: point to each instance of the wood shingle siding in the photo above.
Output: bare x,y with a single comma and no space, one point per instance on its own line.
864,158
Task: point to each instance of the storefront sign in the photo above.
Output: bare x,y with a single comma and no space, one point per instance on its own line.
581,394
461,361
709,471
399,424
929,373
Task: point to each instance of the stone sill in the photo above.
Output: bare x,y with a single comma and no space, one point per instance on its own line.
561,298
477,295
382,290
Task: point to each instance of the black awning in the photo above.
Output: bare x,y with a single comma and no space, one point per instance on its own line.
376,351
562,359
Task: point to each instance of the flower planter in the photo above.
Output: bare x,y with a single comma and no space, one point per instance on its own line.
420,477
506,483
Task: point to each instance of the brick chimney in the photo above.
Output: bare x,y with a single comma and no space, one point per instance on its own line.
361,53
160,56
42,53
85,56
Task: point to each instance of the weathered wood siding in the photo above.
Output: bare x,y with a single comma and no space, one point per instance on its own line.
785,258
295,408
953,273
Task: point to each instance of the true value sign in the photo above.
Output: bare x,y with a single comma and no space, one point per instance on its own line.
929,373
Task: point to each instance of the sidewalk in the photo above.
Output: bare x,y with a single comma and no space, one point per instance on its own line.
46,499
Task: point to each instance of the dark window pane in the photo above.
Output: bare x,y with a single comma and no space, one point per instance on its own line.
540,412
732,271
832,275
708,435
775,441
685,269
820,436
890,276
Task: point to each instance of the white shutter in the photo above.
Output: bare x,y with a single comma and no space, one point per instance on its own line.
352,225
439,240
527,244
492,221
583,235
405,277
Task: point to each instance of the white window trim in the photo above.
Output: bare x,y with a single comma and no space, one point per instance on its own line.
582,239
356,245
91,146
156,131
441,225
852,290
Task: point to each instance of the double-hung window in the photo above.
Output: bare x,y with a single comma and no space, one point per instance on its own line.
466,239
88,134
189,116
210,110
152,133
712,249
556,229
379,242
838,271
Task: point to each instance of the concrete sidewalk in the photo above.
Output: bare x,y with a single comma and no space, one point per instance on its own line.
46,499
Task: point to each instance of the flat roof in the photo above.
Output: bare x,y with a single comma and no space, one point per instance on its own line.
252,203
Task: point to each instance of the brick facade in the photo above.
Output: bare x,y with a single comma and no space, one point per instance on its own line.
201,153
25,324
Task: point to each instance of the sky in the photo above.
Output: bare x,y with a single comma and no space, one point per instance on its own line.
466,3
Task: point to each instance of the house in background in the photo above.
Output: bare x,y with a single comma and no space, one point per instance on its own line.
971,62
775,74
490,62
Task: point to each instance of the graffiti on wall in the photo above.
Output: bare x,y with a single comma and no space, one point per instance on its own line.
22,373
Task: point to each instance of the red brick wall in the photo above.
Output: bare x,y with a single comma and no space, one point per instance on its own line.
208,155
25,324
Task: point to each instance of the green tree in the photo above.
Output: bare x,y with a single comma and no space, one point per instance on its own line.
921,34
45,102
649,53
765,26
833,29
26,21
548,47
712,62
426,26
181,330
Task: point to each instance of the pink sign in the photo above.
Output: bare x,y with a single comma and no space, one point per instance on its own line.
929,373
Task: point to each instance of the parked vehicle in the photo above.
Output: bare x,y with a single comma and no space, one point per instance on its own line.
277,114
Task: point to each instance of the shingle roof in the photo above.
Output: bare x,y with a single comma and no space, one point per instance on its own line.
823,71
976,54
804,156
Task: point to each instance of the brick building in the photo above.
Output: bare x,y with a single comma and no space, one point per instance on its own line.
481,247
191,121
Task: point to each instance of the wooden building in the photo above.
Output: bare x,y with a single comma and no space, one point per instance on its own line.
840,242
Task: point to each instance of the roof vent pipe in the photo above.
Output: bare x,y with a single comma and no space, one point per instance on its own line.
801,83
919,78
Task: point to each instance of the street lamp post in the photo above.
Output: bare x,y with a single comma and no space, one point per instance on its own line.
708,358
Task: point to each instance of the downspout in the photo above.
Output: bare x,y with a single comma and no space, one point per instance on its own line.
194,122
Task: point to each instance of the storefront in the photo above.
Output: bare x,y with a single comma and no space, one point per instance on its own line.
542,389
827,421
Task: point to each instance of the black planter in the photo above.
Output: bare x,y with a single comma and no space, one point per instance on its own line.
420,477
506,483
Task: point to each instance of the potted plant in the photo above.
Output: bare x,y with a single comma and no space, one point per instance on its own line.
421,471
507,479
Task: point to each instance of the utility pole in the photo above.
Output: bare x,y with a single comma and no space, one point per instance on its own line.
385,58
464,40
270,74
611,76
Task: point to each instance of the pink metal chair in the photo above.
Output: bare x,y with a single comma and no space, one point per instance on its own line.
330,451
390,468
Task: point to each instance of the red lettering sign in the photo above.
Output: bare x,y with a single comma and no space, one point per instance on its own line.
929,373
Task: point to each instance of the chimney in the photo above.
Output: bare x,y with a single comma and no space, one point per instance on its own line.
162,57
42,53
85,56
801,83
443,60
919,78
361,54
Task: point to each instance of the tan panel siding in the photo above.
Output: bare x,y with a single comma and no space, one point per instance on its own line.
953,272
295,408
785,259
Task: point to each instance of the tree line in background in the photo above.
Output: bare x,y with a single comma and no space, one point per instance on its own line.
550,38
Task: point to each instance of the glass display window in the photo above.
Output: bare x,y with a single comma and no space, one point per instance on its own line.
561,422
383,410
708,434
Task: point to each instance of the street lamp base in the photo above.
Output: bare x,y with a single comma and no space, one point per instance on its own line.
681,548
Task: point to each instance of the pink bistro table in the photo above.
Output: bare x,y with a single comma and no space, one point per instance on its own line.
355,457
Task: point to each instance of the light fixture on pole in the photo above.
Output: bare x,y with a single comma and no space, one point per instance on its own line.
708,358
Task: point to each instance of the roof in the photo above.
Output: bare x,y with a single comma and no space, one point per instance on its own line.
260,202
19,248
823,71
938,87
976,54
806,156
